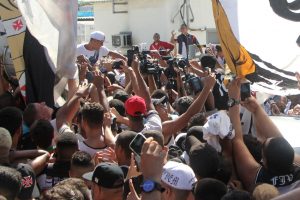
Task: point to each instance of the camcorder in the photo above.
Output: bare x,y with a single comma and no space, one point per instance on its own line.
194,83
146,66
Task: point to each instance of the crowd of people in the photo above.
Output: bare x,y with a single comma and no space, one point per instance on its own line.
197,141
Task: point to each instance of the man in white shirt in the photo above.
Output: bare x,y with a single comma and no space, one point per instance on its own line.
94,50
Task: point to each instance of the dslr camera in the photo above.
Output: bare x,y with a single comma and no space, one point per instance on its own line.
146,66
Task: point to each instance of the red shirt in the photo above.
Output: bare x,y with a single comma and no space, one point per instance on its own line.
161,46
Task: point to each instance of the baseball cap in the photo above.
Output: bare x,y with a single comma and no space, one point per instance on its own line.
178,175
98,35
28,181
107,175
135,106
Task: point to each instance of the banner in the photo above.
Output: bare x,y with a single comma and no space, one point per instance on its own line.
54,24
260,40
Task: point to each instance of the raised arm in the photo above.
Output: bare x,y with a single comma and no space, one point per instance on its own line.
99,83
173,126
265,130
140,83
152,84
66,113
116,55
245,164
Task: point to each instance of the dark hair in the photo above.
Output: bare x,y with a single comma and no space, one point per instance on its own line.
209,189
118,105
10,184
204,160
197,120
81,159
135,119
7,99
158,94
112,77
121,95
237,195
11,119
254,146
71,188
93,113
218,48
208,61
183,25
42,133
156,135
66,140
123,140
197,132
279,155
183,103
224,171
30,114
66,146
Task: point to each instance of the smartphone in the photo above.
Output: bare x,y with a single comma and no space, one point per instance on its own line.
137,143
130,54
245,91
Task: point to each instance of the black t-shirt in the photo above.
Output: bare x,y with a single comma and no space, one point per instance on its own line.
278,180
187,40
220,93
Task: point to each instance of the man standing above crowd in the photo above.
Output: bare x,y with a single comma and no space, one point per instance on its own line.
161,45
184,40
94,50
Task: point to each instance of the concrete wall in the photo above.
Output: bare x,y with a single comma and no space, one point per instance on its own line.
108,22
146,17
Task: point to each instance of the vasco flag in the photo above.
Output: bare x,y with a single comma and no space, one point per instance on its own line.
261,40
54,24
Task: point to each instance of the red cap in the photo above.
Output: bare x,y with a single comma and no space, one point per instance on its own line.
135,106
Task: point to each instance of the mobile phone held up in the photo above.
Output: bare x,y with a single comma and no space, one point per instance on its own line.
137,143
245,91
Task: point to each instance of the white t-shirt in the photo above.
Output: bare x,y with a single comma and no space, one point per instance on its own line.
82,146
81,50
152,122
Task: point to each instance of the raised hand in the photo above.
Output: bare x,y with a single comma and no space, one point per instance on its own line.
107,155
152,160
210,81
84,90
234,89
98,80
132,195
132,171
251,104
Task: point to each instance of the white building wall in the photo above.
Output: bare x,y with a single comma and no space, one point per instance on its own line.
84,29
146,17
108,22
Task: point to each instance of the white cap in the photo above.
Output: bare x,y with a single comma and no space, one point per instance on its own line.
178,175
98,35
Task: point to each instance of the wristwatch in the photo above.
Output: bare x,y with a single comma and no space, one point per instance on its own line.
149,186
232,102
